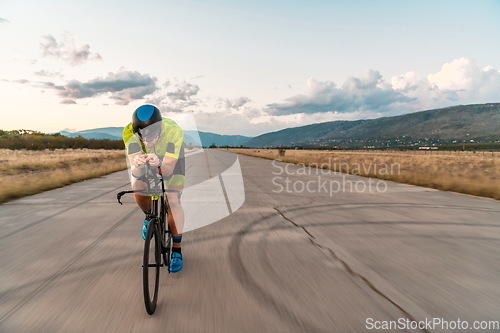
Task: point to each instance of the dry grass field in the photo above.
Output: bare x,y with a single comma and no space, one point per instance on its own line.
24,172
470,172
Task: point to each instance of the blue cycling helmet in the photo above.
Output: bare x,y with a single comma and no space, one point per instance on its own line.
144,116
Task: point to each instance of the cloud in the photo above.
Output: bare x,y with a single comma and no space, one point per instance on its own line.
228,104
123,86
46,73
467,79
68,101
177,97
184,92
458,74
20,81
365,93
68,50
2,20
460,81
231,124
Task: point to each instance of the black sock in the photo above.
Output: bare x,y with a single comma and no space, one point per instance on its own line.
177,241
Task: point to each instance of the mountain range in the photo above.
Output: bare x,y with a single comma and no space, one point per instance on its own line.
456,124
204,139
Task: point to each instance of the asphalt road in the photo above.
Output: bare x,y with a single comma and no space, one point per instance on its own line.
285,261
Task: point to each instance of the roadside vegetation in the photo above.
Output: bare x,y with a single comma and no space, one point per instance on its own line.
470,172
33,140
26,172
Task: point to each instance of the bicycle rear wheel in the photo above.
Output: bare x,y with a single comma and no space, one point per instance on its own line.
151,266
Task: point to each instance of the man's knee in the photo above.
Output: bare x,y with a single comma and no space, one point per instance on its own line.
138,196
175,205
138,185
141,199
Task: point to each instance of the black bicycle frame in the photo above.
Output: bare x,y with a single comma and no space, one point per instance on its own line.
152,180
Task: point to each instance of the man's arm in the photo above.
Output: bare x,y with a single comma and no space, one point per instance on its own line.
167,166
136,159
137,164
174,146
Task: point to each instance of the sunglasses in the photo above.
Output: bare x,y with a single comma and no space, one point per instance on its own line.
149,135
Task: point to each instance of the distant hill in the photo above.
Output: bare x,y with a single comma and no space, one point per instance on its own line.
457,124
111,133
196,138
221,140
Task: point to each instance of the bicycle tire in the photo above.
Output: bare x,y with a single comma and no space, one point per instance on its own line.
151,270
167,249
166,237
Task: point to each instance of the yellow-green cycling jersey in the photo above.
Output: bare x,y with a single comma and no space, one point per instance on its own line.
170,143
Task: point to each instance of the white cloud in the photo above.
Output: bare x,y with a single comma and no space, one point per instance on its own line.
46,73
458,74
231,104
68,50
178,97
184,92
461,81
68,101
365,93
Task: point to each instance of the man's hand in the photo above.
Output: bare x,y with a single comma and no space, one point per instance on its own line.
139,160
153,159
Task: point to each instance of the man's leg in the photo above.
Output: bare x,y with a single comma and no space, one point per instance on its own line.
176,223
144,203
176,216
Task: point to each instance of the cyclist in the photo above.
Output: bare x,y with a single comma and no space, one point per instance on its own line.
159,141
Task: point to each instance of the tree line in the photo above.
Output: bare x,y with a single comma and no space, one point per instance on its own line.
34,140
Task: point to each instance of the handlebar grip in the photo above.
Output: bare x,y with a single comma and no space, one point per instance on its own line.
119,196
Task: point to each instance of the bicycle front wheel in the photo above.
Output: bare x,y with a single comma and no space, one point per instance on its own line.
166,239
151,266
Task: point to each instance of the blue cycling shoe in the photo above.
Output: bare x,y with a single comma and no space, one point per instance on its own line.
145,229
175,262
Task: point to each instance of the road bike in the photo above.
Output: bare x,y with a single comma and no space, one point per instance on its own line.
158,243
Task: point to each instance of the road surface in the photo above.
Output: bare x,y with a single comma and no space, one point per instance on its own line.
286,261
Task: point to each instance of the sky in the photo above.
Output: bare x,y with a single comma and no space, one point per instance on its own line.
242,67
